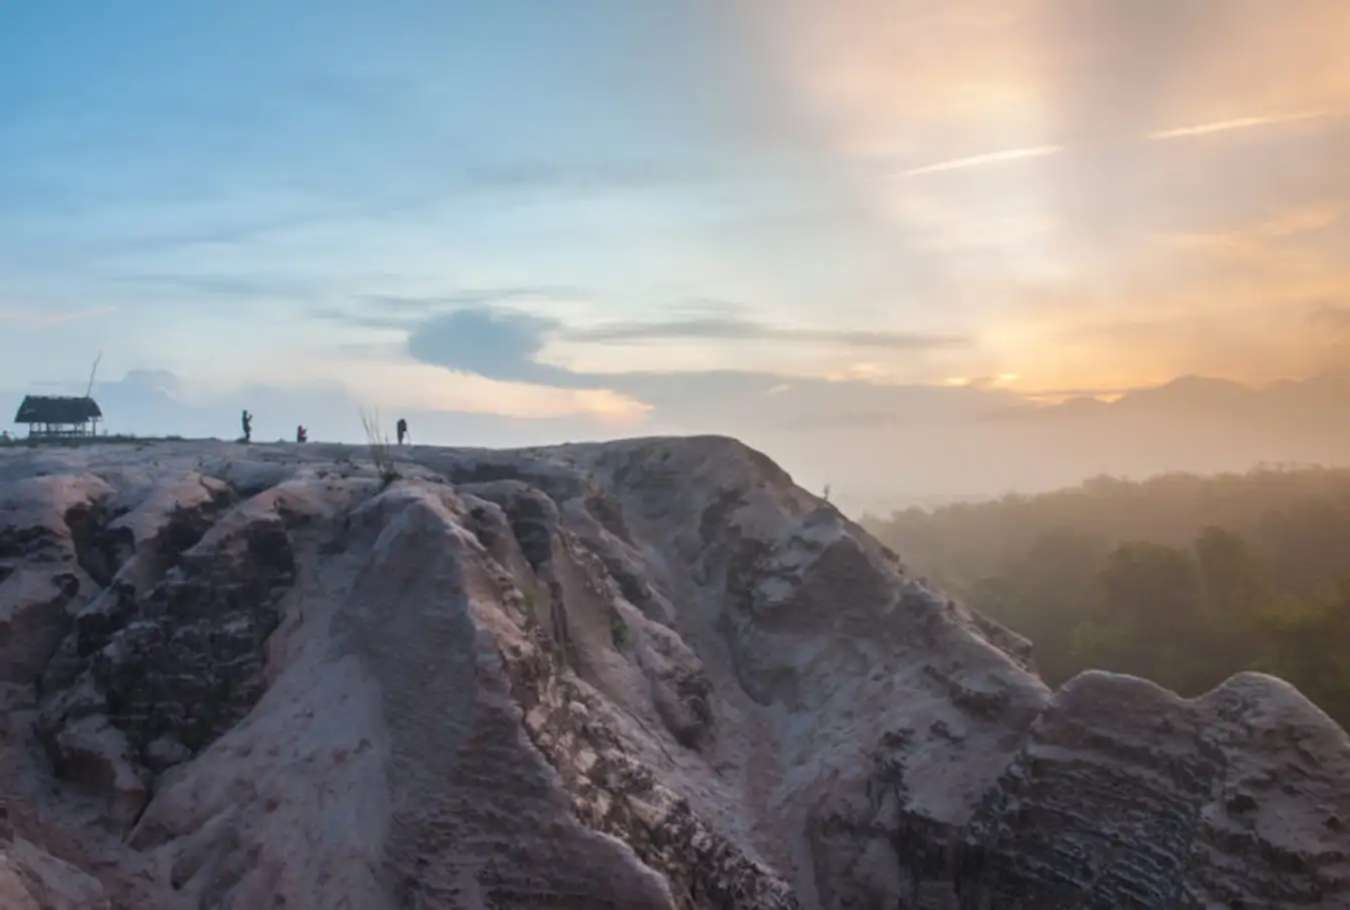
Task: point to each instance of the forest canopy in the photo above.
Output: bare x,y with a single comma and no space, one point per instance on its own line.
1181,579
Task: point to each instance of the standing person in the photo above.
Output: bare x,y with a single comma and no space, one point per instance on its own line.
247,420
402,430
301,435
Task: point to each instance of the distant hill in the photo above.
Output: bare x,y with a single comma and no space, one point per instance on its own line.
1182,578
1192,423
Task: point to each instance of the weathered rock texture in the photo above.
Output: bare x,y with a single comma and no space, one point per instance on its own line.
647,674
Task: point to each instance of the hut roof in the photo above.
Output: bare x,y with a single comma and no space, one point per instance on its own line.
53,409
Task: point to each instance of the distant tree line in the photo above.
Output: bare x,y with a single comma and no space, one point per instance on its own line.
1180,579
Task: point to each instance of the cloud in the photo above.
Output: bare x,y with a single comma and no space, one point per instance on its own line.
505,346
1261,241
1059,395
497,344
515,347
1018,154
1239,123
724,329
995,381
409,312
1330,316
163,381
472,297
40,317
224,285
360,320
589,175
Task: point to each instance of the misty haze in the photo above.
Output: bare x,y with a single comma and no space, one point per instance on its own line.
794,455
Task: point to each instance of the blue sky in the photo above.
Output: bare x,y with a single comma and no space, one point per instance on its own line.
557,218
174,174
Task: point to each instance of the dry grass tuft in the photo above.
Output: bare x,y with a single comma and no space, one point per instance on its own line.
381,452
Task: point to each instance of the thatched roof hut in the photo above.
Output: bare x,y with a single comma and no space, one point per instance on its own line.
50,415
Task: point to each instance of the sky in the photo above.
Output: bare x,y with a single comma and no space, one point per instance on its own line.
525,223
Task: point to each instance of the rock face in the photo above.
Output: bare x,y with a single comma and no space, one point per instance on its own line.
647,674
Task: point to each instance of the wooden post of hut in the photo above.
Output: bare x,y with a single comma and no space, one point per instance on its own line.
53,417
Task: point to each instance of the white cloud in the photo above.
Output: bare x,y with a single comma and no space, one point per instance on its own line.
1037,151
1238,123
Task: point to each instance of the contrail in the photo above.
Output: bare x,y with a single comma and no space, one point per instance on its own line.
1240,123
1037,151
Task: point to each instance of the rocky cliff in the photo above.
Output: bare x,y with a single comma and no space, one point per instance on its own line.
640,674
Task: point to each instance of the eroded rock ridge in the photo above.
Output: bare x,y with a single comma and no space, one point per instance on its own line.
650,673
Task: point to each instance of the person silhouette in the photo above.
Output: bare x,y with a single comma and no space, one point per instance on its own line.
301,434
247,420
402,430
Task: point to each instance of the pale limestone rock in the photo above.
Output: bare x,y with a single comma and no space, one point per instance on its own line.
650,673
32,879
